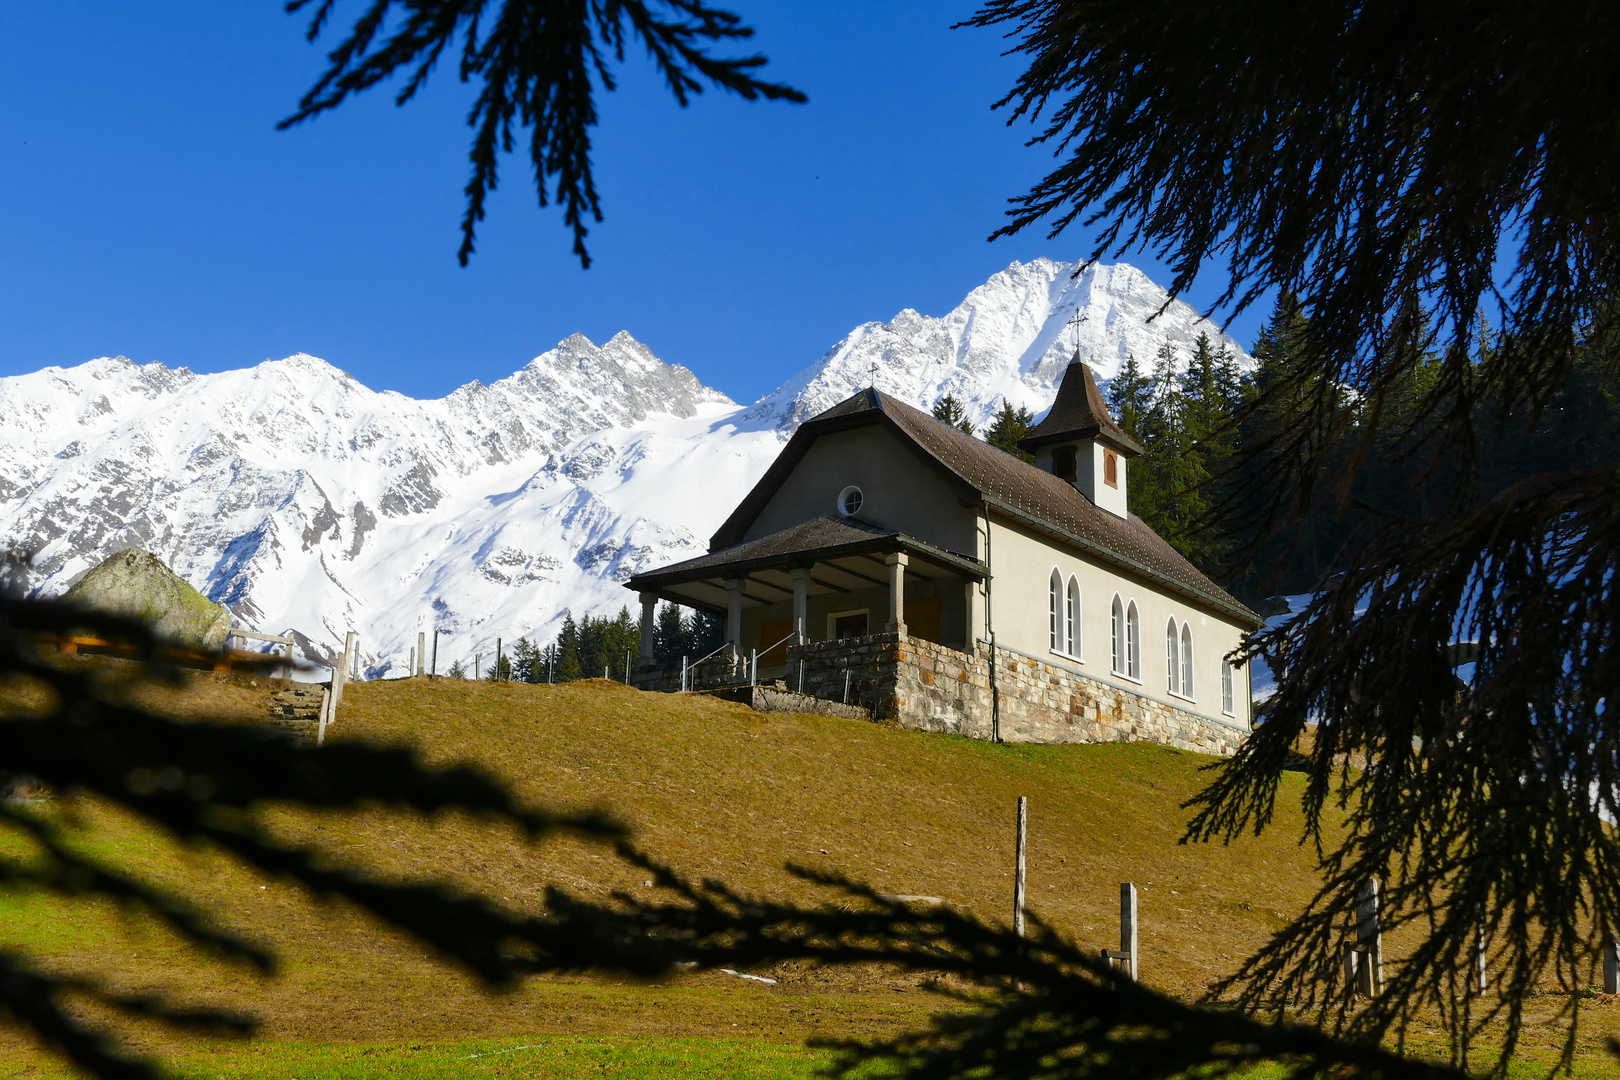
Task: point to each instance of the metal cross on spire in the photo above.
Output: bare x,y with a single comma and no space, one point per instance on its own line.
871,374
1074,323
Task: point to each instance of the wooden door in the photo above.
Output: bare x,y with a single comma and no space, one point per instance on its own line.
772,631
922,618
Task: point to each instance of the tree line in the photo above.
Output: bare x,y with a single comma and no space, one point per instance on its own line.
1210,450
1184,421
598,646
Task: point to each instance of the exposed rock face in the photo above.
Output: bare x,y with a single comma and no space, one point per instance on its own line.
136,584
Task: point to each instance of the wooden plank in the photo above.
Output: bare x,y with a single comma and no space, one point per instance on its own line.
254,635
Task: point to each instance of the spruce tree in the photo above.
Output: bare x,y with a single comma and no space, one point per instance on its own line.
947,410
526,662
1383,162
1008,427
569,659
704,633
1130,397
669,635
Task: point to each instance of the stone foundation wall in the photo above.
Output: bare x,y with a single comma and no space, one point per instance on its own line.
929,687
712,674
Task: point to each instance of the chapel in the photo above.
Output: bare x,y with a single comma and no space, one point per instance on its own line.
890,561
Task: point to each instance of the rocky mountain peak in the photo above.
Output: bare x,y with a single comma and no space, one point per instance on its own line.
303,500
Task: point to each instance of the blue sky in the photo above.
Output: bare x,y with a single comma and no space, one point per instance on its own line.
149,207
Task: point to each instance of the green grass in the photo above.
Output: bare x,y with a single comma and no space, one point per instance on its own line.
554,1056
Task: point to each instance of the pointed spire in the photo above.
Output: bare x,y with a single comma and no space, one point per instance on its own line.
1079,413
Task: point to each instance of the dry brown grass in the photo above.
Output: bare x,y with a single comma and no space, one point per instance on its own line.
716,790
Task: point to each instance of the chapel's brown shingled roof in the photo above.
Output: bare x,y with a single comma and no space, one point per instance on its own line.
1036,496
1078,413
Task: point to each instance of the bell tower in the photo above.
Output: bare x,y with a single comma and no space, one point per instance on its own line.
1080,443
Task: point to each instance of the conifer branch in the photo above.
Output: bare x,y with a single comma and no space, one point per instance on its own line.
536,66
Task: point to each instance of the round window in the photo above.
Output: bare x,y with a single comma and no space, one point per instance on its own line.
849,501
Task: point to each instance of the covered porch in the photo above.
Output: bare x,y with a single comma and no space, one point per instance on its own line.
822,580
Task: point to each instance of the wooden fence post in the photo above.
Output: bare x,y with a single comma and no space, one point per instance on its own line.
1364,957
340,671
1127,928
326,712
1128,953
1018,877
497,659
1611,966
349,642
477,658
435,671
421,652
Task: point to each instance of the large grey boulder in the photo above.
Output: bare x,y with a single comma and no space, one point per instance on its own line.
136,584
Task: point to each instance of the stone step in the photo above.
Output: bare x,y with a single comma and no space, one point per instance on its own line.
777,699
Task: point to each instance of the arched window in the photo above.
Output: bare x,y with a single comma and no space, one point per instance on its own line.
1054,611
1172,667
1116,637
1133,643
1072,618
1186,661
1226,686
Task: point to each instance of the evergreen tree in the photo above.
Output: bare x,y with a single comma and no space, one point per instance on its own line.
670,635
704,633
1008,427
570,664
457,671
1342,154
622,642
1130,397
526,662
947,410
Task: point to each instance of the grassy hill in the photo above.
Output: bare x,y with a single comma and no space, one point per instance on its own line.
716,790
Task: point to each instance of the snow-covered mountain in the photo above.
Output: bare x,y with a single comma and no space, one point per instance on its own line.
303,500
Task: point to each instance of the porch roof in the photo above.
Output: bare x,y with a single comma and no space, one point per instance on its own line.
844,555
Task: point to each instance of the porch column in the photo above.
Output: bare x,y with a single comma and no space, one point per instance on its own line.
801,603
734,598
649,604
897,592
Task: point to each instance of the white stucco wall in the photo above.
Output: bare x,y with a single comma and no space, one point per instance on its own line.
1022,562
1092,483
1092,470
